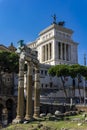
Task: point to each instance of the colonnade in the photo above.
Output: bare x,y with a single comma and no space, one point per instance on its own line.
30,57
62,51
29,102
47,52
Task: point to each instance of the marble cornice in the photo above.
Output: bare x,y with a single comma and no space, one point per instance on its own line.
47,40
55,26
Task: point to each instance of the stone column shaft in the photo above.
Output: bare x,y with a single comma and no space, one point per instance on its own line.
37,94
20,104
49,51
43,53
58,50
29,93
46,52
69,52
61,51
65,51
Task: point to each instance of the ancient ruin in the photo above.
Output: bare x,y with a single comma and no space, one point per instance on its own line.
28,56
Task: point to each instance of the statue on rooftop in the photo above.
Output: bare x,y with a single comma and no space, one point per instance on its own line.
54,18
61,23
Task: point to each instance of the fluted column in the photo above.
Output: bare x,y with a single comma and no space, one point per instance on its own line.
69,52
37,93
46,53
58,50
20,103
49,51
65,52
61,51
43,53
28,115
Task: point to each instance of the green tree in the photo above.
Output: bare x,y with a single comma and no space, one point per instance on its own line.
61,71
69,70
9,61
78,71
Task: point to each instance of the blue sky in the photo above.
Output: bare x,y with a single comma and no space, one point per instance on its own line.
24,19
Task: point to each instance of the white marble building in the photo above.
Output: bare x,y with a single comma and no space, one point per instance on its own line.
56,46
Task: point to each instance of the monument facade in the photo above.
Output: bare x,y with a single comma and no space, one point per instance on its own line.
56,46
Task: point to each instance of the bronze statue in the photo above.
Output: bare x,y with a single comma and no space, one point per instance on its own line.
54,18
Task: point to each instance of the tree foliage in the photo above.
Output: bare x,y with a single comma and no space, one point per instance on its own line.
68,70
9,61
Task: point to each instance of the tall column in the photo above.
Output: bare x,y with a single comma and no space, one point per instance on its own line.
61,52
58,49
46,53
54,50
20,104
37,93
49,51
28,115
43,53
65,52
69,52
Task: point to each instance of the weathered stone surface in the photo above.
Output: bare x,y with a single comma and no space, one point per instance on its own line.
45,128
76,119
49,114
84,114
30,57
64,129
57,112
42,115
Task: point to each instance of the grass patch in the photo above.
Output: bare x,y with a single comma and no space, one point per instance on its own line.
69,124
